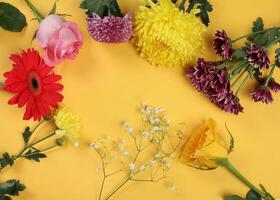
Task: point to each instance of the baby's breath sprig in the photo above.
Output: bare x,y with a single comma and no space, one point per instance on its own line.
148,161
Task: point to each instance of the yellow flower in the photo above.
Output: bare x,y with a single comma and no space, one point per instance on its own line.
204,146
166,36
69,126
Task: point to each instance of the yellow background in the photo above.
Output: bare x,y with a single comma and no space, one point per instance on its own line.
106,84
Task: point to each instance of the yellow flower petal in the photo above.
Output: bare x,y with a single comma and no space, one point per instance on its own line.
166,36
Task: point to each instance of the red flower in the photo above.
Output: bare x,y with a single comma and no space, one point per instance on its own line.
34,85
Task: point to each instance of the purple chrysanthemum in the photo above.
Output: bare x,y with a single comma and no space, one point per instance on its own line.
257,57
262,94
110,29
214,83
222,45
273,85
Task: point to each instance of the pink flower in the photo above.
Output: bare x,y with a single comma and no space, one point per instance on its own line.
60,39
110,29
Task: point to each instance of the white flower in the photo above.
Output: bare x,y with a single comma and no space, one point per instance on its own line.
157,156
130,130
145,134
76,144
127,128
121,148
142,168
172,186
131,166
94,146
167,165
125,154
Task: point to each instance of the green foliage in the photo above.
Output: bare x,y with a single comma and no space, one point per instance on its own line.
263,37
26,134
53,10
35,155
204,7
10,188
252,195
239,53
101,7
233,197
257,25
277,57
11,19
6,160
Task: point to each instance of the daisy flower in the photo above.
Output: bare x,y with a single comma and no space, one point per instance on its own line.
33,84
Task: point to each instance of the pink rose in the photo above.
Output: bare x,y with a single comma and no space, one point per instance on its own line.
60,39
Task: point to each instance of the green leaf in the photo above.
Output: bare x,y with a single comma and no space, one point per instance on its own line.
6,160
257,25
101,7
231,144
27,133
277,57
239,53
204,7
53,10
11,18
11,188
233,197
34,155
252,195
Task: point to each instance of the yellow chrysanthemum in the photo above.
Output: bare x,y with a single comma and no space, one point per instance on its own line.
166,36
69,125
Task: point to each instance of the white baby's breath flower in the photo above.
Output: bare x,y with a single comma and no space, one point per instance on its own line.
155,129
167,165
121,148
172,186
142,168
76,144
157,156
131,166
125,154
145,134
94,146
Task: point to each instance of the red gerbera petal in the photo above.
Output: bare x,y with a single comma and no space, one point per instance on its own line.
33,84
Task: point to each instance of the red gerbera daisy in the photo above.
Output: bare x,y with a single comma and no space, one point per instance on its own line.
34,85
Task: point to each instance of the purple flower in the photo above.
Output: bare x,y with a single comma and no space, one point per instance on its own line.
262,94
214,84
222,45
257,57
110,29
273,85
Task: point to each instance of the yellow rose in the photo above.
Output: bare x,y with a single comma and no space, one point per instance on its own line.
204,146
69,126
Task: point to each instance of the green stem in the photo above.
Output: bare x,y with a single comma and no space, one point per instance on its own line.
118,188
35,11
20,154
1,84
227,164
251,34
242,84
238,78
41,151
270,75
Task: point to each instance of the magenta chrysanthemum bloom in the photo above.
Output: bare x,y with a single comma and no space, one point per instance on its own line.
110,29
214,84
262,94
273,85
222,45
257,57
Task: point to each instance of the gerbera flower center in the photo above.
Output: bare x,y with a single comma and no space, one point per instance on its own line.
34,83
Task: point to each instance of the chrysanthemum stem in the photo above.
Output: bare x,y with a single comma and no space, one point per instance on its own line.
227,164
251,34
35,11
238,78
242,84
270,75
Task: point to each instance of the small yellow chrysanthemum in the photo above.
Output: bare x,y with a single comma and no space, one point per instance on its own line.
69,125
166,36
